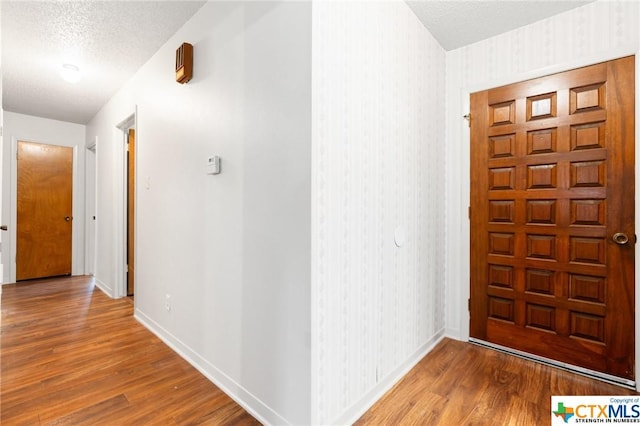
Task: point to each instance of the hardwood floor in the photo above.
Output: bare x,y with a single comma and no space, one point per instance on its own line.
69,355
459,383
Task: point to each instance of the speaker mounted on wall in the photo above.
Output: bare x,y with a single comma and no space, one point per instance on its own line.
184,63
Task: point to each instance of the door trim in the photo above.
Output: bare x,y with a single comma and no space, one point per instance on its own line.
615,380
462,290
77,231
91,207
119,174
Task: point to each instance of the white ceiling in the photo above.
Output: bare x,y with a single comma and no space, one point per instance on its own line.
457,23
110,40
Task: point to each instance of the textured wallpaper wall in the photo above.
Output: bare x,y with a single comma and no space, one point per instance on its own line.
377,168
594,32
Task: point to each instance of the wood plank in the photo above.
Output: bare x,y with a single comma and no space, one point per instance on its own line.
461,383
71,355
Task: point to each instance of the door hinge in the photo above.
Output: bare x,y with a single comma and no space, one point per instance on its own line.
469,304
126,268
469,212
468,118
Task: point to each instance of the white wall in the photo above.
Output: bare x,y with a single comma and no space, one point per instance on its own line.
589,34
1,151
233,250
42,130
285,283
378,149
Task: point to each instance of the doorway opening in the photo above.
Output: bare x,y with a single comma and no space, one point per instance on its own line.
91,199
131,149
128,128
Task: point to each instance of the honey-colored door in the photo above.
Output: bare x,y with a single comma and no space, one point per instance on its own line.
131,185
552,217
44,210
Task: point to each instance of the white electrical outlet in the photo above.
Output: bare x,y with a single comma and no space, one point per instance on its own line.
167,302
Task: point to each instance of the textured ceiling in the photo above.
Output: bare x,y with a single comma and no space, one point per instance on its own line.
108,40
457,23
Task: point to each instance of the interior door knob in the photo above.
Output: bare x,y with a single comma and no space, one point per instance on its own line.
620,238
67,218
3,227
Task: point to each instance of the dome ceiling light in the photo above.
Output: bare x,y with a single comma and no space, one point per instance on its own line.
70,73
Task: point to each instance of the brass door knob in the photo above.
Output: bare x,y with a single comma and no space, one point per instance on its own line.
620,238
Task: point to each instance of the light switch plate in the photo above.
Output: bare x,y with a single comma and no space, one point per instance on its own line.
213,165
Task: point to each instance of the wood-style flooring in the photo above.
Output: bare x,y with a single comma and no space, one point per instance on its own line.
459,383
69,355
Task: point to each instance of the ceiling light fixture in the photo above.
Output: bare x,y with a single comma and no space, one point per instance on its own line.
70,73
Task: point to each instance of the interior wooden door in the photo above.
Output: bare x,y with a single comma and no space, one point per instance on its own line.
552,217
44,210
131,185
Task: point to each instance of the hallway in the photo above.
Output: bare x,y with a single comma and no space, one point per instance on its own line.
72,356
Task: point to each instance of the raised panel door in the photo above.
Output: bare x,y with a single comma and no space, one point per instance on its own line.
552,198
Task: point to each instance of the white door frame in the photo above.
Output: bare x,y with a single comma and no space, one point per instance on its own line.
91,201
120,288
2,137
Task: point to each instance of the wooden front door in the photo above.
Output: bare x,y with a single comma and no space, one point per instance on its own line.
44,208
552,217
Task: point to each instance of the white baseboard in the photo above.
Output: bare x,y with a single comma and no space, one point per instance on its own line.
253,405
103,287
353,413
454,333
